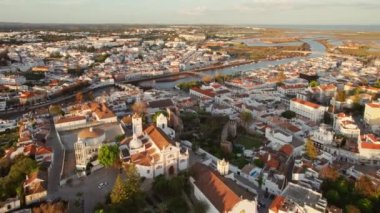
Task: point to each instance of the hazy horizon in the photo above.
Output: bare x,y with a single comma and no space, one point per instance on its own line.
207,12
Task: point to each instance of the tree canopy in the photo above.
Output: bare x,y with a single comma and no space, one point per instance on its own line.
288,114
156,114
108,155
139,107
310,149
313,84
246,117
377,83
56,110
366,187
21,167
119,191
79,97
126,195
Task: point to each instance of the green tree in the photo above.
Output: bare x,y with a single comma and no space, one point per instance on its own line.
119,191
108,155
377,83
258,163
132,182
200,206
56,110
310,149
365,205
246,117
21,167
340,96
178,204
156,114
288,114
119,138
207,78
313,84
333,196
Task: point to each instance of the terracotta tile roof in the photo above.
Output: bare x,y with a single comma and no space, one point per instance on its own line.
30,149
158,137
69,119
213,187
277,203
102,111
272,162
287,149
327,87
90,133
161,103
369,141
208,92
306,103
142,158
374,105
296,86
42,150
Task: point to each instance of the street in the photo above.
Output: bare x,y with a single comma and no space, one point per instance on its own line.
86,189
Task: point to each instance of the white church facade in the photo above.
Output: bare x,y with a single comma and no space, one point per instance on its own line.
153,150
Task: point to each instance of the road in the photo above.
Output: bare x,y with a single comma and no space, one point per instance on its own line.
55,170
86,189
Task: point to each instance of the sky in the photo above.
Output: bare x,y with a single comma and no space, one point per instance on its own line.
244,12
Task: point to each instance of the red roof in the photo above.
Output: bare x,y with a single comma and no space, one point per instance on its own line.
42,150
374,105
287,149
30,149
306,103
208,92
277,203
328,87
222,197
69,119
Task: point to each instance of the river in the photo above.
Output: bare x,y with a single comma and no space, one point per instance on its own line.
317,50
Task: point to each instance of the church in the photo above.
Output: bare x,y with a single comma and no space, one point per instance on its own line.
153,150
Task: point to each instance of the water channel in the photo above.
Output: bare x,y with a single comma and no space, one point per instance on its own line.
317,50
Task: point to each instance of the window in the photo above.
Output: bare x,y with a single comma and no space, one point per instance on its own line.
148,171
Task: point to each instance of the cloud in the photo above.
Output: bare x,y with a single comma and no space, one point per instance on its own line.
307,4
45,2
197,11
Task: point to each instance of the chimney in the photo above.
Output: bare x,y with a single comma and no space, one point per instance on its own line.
269,157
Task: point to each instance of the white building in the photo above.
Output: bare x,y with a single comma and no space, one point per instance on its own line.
369,148
3,104
86,148
223,167
69,122
211,188
372,114
346,125
296,198
7,125
12,80
277,138
153,150
323,135
307,109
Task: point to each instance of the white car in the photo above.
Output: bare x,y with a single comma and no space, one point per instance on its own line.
100,185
